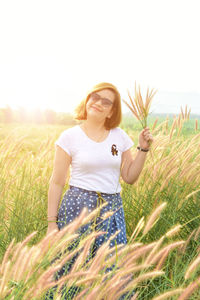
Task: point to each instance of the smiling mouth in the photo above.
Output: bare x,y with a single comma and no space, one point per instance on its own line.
95,108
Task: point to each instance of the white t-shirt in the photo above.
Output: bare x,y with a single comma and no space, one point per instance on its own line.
95,166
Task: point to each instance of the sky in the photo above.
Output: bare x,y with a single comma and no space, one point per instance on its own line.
53,52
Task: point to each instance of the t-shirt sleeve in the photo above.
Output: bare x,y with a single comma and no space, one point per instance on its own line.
64,142
126,140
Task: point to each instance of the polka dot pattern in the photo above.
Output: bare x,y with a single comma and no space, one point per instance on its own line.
75,199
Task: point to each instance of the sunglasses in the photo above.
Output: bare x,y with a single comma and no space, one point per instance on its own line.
104,101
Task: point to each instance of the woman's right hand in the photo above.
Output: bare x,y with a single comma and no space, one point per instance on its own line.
51,227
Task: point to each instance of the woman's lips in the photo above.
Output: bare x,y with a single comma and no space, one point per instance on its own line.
95,108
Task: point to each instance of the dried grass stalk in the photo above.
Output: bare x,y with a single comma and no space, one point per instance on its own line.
192,267
189,290
196,124
173,231
169,294
154,217
138,107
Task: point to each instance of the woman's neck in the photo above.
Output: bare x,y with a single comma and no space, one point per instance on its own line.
94,125
95,131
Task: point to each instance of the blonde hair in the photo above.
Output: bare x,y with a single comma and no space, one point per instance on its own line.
114,121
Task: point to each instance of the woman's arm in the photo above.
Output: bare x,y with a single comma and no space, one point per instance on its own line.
131,168
57,182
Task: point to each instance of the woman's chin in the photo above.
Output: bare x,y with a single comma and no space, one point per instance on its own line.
94,115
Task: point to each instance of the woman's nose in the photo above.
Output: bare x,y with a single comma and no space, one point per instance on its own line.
99,102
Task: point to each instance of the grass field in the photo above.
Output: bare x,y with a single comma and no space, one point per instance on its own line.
171,175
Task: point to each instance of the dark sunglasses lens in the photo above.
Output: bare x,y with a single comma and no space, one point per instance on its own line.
95,97
106,102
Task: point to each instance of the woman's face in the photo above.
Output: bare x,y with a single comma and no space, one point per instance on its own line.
100,104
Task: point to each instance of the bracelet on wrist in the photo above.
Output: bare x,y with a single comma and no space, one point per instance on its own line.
52,218
141,149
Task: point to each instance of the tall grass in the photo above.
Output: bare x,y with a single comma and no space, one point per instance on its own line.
26,272
171,245
26,156
172,175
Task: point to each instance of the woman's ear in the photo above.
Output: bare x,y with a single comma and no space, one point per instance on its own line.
110,114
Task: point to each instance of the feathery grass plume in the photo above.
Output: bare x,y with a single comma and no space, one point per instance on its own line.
92,214
190,290
159,166
154,250
168,176
173,231
113,287
191,194
133,257
141,278
33,254
80,259
18,263
66,279
169,294
83,293
137,230
135,296
97,262
21,245
197,234
79,263
182,249
196,124
169,247
117,284
23,267
172,128
182,113
4,280
179,120
120,249
36,290
186,115
132,270
154,124
107,215
93,295
180,126
193,266
167,125
162,260
123,253
92,277
6,256
160,126
154,217
138,107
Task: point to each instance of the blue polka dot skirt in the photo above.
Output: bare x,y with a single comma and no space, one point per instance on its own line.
74,200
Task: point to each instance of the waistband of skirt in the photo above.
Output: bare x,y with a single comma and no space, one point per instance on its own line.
75,188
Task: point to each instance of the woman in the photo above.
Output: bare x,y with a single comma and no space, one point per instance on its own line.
98,151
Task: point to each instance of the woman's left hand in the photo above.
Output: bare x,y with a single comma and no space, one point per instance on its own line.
145,138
